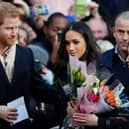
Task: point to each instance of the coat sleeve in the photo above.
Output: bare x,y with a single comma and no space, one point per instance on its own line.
112,124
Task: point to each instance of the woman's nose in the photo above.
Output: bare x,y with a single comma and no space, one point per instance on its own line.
71,46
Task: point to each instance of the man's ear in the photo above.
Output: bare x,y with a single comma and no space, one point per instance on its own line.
113,30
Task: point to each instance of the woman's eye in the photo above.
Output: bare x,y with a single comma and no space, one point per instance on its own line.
76,42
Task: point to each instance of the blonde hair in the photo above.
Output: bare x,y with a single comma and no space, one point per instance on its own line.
7,9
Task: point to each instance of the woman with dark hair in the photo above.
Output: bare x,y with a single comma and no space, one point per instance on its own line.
77,40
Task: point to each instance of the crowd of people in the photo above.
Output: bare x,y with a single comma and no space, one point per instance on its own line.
35,45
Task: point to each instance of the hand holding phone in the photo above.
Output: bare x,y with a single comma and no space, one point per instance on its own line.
81,7
43,10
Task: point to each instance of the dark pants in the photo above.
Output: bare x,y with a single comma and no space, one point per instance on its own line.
26,124
45,119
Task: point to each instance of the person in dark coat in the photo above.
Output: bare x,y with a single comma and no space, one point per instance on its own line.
18,78
115,59
116,62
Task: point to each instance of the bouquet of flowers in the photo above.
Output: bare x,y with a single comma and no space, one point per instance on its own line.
90,92
101,98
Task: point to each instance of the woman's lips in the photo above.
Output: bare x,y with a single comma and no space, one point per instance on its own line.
72,54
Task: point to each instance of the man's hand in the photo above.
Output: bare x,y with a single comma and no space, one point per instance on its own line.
8,114
93,7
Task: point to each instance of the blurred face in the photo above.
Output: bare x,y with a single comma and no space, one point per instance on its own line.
58,24
75,44
121,34
98,28
22,37
9,31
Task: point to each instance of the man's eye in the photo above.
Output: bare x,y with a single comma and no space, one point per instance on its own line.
120,31
8,28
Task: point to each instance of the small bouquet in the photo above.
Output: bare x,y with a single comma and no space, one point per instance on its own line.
90,92
100,98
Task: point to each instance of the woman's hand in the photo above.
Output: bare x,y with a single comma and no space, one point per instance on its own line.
72,108
8,114
86,119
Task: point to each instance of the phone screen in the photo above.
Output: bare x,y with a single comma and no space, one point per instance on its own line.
81,9
44,10
38,11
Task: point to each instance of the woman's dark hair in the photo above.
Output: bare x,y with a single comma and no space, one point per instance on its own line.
91,52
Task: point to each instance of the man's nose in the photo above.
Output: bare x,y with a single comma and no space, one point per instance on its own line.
126,36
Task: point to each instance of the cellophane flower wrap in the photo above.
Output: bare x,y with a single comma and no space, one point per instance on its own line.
90,92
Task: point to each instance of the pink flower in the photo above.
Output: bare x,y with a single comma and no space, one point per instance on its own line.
93,97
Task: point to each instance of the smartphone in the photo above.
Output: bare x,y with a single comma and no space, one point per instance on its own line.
43,10
81,9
